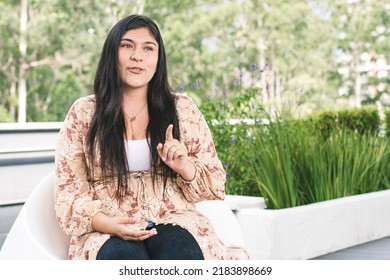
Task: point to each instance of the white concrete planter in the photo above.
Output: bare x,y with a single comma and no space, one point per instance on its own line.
313,230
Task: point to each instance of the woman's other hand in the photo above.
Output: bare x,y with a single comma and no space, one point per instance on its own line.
120,227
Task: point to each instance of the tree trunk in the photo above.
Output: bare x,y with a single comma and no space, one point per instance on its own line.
358,77
139,7
13,96
22,87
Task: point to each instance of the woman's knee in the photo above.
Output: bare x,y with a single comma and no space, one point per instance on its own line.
173,243
119,249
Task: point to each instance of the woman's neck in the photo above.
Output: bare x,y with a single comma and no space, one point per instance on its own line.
134,96
133,100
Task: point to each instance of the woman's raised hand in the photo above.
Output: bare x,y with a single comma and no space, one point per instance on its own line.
175,155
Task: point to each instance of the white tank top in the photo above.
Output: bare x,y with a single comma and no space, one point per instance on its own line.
138,155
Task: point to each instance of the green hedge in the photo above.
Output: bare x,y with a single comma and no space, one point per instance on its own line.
387,122
361,120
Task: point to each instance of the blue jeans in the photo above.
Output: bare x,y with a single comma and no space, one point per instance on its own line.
170,243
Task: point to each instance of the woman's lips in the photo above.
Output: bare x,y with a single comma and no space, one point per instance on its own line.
135,70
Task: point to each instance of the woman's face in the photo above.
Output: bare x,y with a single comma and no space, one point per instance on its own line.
138,57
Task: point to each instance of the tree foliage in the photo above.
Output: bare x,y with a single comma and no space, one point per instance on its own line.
291,50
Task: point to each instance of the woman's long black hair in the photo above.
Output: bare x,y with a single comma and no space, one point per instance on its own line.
106,135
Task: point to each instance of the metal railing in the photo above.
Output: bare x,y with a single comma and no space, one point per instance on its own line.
26,155
29,127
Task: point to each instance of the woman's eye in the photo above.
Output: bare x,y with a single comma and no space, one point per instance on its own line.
126,46
149,49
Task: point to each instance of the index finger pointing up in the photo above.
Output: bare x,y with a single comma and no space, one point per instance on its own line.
169,133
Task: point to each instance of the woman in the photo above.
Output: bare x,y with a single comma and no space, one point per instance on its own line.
134,158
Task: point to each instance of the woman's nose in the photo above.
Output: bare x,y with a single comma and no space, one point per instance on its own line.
136,56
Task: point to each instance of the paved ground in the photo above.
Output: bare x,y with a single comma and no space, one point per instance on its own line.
374,250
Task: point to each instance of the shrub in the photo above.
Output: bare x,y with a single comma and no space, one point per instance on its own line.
231,120
326,122
295,166
362,120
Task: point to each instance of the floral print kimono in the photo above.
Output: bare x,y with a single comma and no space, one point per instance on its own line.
77,201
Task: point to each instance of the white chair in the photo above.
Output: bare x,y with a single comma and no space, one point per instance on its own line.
36,233
224,221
